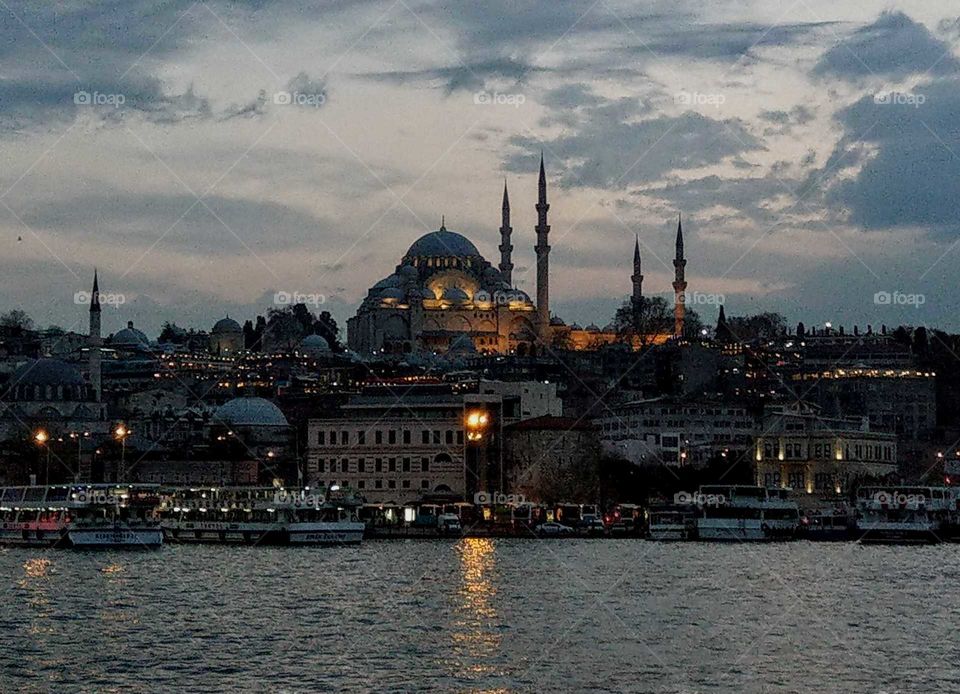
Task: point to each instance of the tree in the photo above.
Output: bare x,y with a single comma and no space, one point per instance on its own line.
16,321
173,333
762,326
326,325
651,318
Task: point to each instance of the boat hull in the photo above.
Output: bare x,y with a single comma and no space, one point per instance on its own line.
752,530
115,536
347,533
222,533
30,535
898,533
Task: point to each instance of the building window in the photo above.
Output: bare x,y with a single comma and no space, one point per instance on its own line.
333,438
406,436
406,464
392,484
392,436
425,465
436,437
424,484
361,465
344,438
449,436
393,464
425,436
361,437
321,464
378,436
378,466
321,438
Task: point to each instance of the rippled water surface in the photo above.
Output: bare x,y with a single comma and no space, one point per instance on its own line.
484,615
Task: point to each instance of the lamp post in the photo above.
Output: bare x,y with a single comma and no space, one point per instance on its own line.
121,433
476,422
42,439
79,436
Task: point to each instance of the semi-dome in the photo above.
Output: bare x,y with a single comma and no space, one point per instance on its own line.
557,320
408,272
46,372
226,325
391,293
442,243
593,328
314,344
130,337
391,281
251,412
455,294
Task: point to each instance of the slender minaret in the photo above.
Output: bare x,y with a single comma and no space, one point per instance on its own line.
543,257
636,300
679,283
94,339
506,248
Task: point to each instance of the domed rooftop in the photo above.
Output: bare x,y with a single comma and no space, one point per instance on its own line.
408,272
313,344
46,372
392,293
226,325
442,243
251,412
130,337
556,320
455,294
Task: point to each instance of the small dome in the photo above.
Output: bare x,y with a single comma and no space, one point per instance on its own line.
456,295
442,243
408,272
609,328
314,344
575,326
420,293
46,372
557,320
593,328
256,412
392,293
130,337
226,325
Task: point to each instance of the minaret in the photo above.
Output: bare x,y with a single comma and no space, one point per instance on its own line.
543,257
94,339
636,300
679,283
506,248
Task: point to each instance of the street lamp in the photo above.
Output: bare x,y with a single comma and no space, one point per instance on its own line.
79,436
42,438
121,433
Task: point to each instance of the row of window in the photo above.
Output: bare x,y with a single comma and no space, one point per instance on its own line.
822,481
378,464
380,437
826,451
377,484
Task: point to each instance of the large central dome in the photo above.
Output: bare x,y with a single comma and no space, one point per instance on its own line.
442,244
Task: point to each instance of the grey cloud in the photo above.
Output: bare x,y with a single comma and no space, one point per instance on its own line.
892,46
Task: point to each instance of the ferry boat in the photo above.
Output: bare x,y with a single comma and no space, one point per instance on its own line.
836,525
259,515
113,516
902,514
669,524
745,513
79,515
33,516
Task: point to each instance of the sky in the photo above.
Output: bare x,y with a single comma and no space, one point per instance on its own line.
213,158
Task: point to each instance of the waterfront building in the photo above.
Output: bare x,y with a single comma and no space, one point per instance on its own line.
820,457
668,431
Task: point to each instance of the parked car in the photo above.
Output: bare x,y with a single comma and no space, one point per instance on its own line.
449,524
592,526
552,529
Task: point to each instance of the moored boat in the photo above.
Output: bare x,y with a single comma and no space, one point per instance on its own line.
746,513
113,516
902,514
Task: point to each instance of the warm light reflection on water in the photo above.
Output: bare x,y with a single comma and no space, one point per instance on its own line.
476,638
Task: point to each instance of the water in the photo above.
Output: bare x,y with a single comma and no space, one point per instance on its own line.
483,615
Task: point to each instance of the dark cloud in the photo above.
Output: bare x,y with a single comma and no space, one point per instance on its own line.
609,148
909,159
893,46
782,122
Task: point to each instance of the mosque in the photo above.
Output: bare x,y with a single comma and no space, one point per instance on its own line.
444,296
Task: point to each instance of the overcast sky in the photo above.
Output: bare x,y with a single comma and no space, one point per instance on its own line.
813,148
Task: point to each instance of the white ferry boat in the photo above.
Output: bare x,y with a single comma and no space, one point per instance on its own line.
113,515
746,513
260,515
670,524
902,514
33,516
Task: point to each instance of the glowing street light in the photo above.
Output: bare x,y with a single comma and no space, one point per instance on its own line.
41,437
121,433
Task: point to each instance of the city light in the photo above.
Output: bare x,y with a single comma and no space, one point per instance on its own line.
41,437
